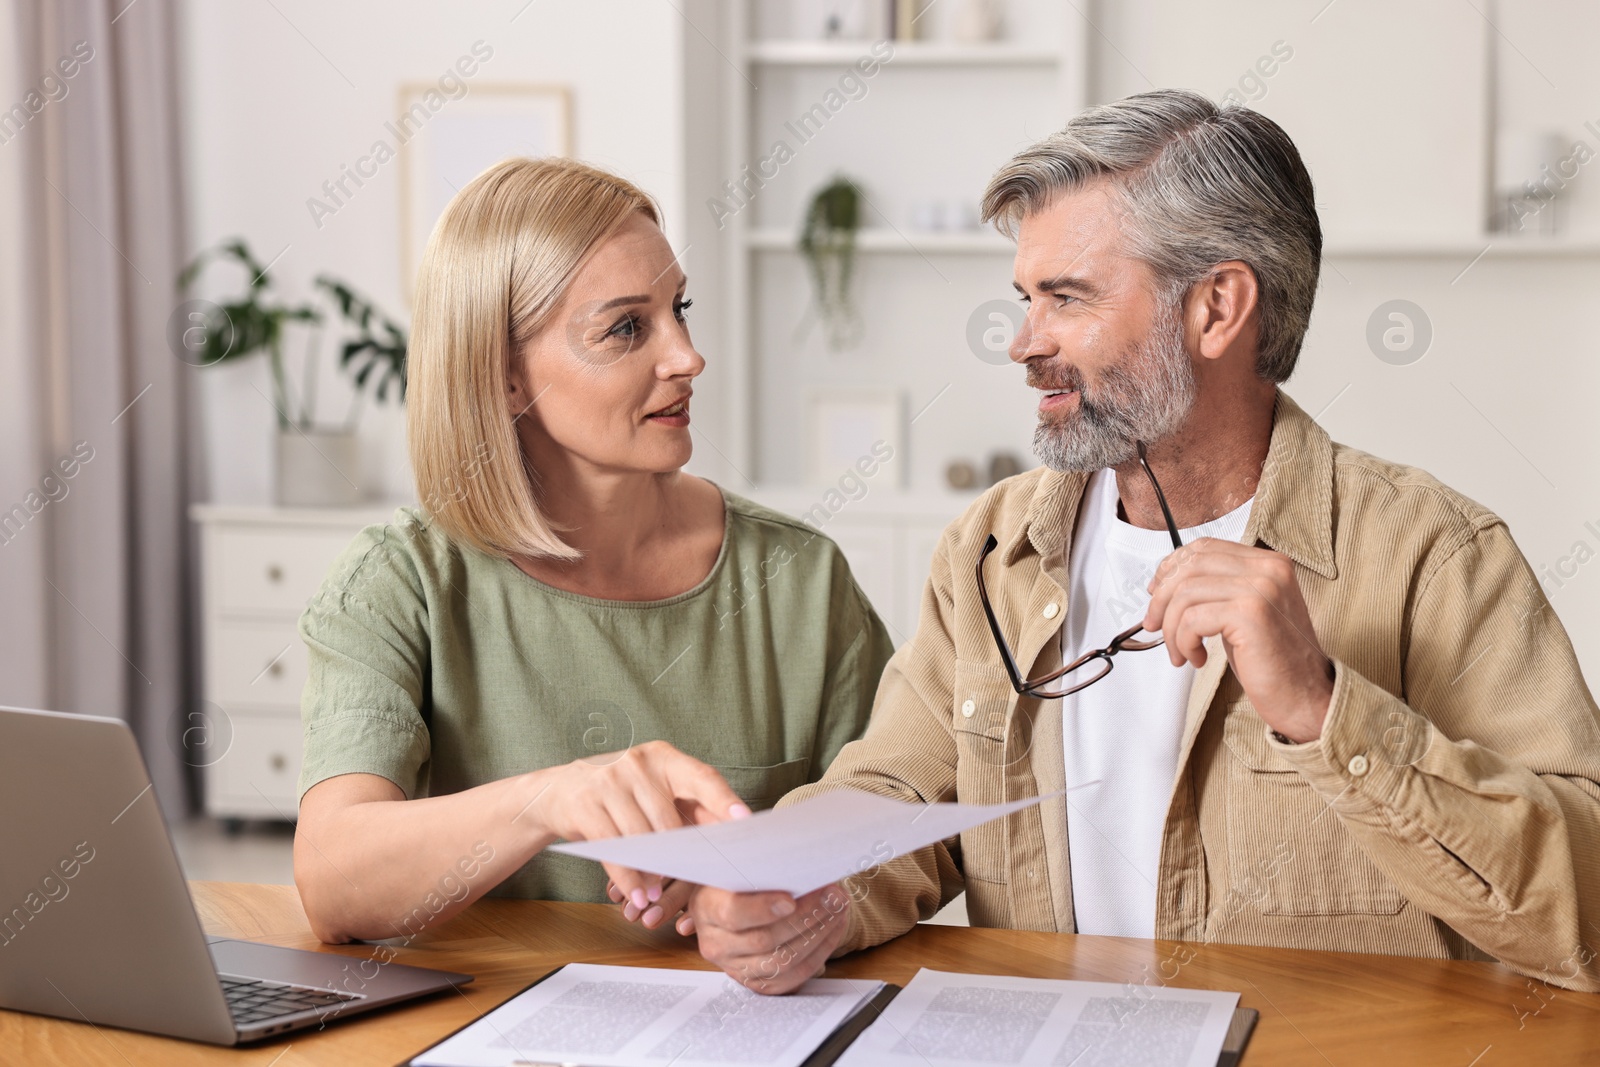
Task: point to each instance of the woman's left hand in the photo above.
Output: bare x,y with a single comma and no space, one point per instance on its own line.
674,899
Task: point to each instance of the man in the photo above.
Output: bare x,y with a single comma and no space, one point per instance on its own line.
1365,731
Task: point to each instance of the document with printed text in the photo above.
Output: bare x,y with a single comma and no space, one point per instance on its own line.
652,1017
942,1019
798,848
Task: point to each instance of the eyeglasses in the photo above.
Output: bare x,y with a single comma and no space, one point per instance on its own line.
1098,663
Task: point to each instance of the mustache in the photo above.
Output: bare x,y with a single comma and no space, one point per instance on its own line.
1065,376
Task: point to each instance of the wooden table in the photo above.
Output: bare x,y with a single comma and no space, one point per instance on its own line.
1316,1007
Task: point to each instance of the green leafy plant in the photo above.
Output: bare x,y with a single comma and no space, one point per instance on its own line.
379,345
828,243
248,324
253,322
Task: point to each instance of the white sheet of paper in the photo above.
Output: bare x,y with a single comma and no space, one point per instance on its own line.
941,1019
652,1017
795,849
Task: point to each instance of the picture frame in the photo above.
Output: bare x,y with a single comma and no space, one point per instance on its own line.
845,428
447,145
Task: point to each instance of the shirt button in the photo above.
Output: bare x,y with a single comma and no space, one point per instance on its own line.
1052,609
1358,765
967,708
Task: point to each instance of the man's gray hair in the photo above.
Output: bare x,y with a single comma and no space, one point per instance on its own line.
1201,185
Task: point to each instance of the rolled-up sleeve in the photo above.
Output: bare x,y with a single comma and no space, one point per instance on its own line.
366,635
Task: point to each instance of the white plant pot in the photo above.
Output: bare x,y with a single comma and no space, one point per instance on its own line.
976,21
318,468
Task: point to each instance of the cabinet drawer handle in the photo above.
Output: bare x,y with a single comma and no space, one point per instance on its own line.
275,668
278,761
274,573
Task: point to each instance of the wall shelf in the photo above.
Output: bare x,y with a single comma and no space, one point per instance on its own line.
1489,246
906,54
930,136
888,239
891,240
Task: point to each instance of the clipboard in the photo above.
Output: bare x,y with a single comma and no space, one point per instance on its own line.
841,1039
1238,1036
831,1049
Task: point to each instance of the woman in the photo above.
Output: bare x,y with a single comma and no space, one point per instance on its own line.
571,638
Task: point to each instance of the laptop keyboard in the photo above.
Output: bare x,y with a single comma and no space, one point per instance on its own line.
252,1000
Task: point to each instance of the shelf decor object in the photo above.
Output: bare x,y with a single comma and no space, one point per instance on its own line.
849,20
1003,465
828,242
1528,182
960,474
974,21
907,15
855,430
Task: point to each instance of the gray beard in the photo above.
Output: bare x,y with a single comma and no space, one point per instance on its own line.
1144,397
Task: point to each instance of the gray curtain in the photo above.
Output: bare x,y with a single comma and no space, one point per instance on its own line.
95,475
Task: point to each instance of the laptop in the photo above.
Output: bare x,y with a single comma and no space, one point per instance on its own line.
96,922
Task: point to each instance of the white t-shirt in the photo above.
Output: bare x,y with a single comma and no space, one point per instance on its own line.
1123,732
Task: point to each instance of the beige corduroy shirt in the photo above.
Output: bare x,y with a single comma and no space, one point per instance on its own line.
1449,809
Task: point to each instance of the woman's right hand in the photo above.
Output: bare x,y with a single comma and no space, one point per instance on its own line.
649,787
672,904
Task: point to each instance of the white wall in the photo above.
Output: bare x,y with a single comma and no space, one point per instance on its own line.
1390,106
281,95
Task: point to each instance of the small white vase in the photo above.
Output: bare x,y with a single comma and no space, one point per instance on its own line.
318,468
976,21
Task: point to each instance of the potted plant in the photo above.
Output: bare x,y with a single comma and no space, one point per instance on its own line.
317,465
828,243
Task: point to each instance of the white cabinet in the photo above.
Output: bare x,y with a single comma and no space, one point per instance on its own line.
921,538
256,779
870,548
274,567
259,567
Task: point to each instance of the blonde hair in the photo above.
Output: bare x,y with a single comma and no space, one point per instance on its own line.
497,264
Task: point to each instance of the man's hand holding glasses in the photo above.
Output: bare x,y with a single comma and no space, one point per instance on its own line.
1248,595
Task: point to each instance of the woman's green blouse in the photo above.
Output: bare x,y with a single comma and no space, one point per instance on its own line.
442,668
